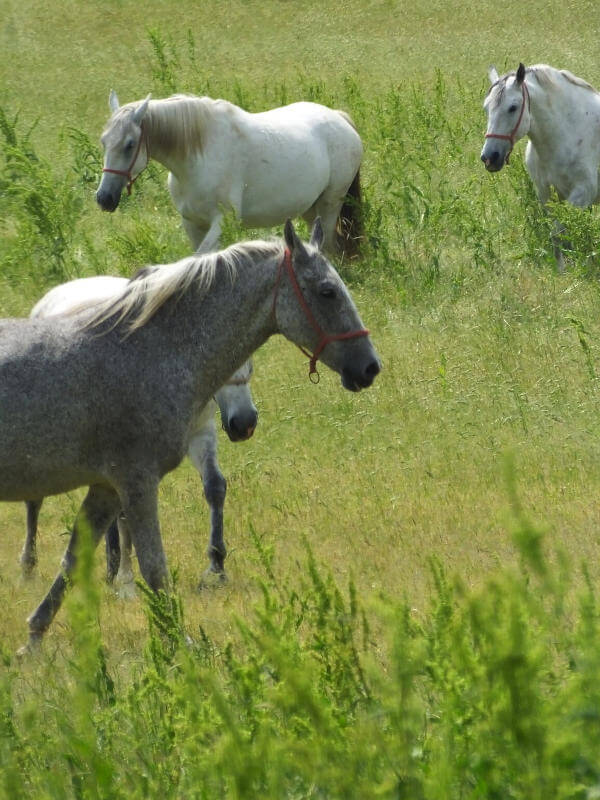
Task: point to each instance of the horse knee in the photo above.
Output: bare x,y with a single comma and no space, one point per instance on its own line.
215,489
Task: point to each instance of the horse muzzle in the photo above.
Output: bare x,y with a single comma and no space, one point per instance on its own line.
356,379
494,161
108,201
240,430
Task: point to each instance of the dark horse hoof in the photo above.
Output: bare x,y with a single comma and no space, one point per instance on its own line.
212,580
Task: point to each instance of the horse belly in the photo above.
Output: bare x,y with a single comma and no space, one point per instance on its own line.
44,451
22,481
277,187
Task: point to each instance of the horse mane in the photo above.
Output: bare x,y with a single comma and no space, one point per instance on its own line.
151,287
548,77
177,123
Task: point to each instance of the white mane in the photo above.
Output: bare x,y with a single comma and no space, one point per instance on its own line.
177,123
546,76
550,76
153,286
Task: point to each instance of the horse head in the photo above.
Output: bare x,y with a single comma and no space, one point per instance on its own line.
125,151
314,309
508,114
239,416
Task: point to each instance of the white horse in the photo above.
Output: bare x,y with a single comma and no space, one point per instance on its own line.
239,418
560,114
298,160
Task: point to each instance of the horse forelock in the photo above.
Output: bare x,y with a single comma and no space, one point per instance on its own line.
495,94
117,125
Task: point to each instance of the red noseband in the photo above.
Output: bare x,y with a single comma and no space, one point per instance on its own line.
324,338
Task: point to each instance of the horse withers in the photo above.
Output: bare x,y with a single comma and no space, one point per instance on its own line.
560,114
300,160
107,398
239,419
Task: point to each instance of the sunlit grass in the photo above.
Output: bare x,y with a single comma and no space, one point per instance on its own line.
341,659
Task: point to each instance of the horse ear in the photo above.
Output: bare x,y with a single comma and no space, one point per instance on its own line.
316,235
291,238
493,74
140,111
521,73
113,101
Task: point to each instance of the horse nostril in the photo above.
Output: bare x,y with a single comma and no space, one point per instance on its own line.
103,199
107,201
373,369
243,428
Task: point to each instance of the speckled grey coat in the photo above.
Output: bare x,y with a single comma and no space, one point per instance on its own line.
108,407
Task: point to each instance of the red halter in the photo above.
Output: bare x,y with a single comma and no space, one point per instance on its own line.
324,338
126,173
511,136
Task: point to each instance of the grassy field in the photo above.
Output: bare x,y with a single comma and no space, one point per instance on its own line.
410,611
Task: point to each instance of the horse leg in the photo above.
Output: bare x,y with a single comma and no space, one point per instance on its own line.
195,232
29,553
202,451
328,208
204,239
125,578
559,244
140,513
113,551
97,510
211,240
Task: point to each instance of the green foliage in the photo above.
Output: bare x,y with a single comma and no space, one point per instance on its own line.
40,211
487,687
488,693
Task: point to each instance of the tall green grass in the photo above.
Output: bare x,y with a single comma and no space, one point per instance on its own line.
483,693
449,649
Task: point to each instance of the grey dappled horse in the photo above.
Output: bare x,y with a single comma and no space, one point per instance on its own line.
107,398
298,160
239,418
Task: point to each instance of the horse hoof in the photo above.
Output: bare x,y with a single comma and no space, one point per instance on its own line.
126,591
212,580
28,568
32,647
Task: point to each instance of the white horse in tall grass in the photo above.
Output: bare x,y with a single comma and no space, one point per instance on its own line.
560,113
298,160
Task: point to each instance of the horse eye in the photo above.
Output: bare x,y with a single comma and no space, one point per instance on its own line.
328,292
129,145
512,109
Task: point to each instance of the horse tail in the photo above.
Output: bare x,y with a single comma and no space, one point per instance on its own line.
350,228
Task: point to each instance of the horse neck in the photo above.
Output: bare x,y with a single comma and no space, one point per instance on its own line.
234,317
553,113
164,150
